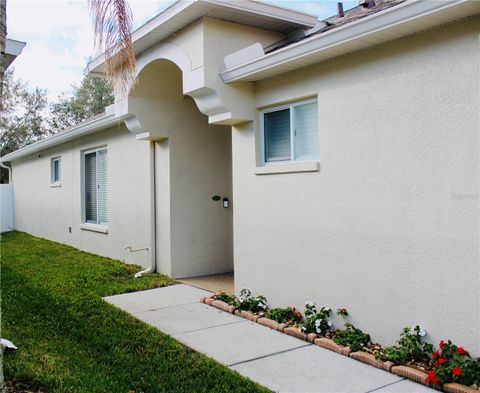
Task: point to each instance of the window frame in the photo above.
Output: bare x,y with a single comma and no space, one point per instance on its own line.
55,182
91,225
291,107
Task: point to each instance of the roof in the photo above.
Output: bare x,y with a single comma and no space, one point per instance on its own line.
361,28
12,49
95,123
184,12
388,21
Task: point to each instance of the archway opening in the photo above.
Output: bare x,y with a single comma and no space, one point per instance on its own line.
193,176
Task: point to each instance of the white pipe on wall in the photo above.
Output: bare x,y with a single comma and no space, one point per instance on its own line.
9,169
153,212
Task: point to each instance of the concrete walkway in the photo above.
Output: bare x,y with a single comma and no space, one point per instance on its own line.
275,360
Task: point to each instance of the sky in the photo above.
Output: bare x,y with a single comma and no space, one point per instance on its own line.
59,36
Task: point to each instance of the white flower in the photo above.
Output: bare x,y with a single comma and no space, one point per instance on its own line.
318,322
318,330
418,330
329,323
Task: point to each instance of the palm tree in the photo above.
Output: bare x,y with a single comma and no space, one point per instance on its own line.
3,42
112,20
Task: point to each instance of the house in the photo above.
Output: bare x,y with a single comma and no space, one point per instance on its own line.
335,161
13,48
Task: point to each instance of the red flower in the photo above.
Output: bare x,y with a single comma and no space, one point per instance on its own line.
432,377
435,354
461,351
442,343
435,364
441,360
457,371
294,309
344,310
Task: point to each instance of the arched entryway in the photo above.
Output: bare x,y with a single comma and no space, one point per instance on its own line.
192,174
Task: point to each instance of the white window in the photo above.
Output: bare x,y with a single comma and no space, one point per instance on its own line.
95,186
290,132
55,170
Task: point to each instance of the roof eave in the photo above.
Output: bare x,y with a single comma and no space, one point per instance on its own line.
161,21
13,48
107,120
386,25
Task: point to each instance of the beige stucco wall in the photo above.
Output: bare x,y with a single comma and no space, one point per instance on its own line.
48,212
389,226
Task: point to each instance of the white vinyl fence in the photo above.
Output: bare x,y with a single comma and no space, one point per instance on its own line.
6,207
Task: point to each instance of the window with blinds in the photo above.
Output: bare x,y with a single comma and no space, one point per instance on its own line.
96,187
291,132
55,170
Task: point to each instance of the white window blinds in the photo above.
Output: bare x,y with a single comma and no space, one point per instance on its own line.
102,186
96,187
291,133
277,135
306,132
55,170
91,187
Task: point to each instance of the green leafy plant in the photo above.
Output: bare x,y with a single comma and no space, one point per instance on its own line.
352,337
247,302
229,299
410,348
453,364
316,321
285,315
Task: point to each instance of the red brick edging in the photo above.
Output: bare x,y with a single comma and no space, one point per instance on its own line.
457,388
332,346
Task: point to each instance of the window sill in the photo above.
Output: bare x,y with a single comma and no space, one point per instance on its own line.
290,167
57,184
94,228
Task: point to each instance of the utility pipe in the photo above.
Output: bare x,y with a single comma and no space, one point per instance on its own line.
153,214
9,169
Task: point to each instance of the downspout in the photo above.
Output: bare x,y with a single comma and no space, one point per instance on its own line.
9,169
153,217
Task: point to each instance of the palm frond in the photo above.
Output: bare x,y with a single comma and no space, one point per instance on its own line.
112,21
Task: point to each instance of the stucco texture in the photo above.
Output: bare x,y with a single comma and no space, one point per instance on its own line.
389,226
48,212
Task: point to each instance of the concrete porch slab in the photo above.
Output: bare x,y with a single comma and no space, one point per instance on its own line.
187,318
215,283
153,299
314,369
239,342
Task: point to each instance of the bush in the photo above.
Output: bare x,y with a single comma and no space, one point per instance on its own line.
247,302
288,315
454,364
410,348
229,299
316,321
352,337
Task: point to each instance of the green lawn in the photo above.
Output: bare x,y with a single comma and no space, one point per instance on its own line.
70,340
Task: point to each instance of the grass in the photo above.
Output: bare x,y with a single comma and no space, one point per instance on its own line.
70,340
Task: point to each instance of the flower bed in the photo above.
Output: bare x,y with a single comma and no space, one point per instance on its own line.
450,368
